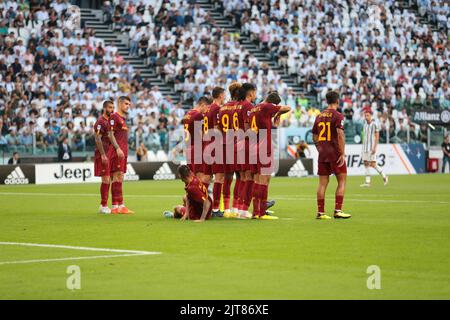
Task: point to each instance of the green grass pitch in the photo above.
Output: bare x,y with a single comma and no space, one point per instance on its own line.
403,228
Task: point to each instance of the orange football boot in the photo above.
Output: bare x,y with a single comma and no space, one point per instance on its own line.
125,210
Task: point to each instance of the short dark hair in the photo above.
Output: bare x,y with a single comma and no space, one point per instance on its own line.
184,171
204,100
244,90
217,91
106,102
332,97
273,97
123,98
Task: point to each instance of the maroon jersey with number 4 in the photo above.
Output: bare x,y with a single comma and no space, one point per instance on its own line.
325,127
102,129
261,118
197,194
119,127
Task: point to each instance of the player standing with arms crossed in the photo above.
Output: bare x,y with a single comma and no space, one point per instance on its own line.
101,161
243,191
371,134
228,120
118,135
329,138
195,115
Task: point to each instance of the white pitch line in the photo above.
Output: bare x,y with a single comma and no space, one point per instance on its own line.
52,194
178,196
363,200
125,253
74,258
26,244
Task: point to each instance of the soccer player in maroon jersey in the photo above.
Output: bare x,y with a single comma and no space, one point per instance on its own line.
118,135
198,203
228,120
210,122
242,194
261,118
101,161
193,116
329,138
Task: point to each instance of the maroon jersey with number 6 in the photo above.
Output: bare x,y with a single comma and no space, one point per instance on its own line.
325,127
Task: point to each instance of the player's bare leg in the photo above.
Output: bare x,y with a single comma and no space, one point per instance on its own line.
104,193
366,183
117,194
321,190
374,165
339,197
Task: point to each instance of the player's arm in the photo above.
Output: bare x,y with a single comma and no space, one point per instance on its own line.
206,206
99,144
186,213
114,143
341,146
281,110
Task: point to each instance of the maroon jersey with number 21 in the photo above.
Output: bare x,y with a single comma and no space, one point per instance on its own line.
325,127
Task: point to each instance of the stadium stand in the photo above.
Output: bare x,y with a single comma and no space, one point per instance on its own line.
358,47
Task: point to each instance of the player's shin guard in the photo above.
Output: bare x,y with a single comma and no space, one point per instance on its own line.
115,193
226,190
249,195
217,191
256,199
264,192
320,205
116,190
120,194
104,193
236,195
338,203
243,200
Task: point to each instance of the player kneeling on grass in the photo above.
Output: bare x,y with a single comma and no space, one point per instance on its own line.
197,203
329,138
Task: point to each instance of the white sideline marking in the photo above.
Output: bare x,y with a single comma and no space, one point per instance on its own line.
52,194
178,196
364,200
125,253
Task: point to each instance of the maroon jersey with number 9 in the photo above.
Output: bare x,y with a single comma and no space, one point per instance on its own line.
325,127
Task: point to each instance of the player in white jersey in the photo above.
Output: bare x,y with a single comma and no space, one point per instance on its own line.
369,151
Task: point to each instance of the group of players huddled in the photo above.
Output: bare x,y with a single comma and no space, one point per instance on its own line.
224,139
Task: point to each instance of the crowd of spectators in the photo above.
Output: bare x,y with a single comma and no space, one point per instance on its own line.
374,52
54,76
188,49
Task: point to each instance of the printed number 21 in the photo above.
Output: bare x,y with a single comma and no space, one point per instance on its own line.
325,126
